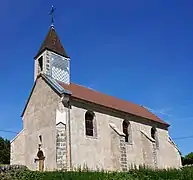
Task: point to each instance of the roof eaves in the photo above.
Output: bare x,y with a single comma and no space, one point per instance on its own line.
161,122
29,96
17,135
53,83
49,49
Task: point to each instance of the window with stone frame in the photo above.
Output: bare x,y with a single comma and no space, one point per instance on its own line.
154,135
89,123
153,132
127,131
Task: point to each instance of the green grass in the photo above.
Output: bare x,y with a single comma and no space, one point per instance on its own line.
141,174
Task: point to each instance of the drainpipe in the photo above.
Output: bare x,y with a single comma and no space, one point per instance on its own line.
66,101
69,136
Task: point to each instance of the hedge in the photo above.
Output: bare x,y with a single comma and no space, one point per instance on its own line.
141,174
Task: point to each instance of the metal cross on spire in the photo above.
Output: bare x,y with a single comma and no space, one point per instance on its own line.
52,16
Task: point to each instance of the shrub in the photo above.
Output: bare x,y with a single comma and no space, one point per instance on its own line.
134,174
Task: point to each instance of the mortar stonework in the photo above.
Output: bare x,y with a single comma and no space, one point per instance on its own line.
123,151
154,150
61,146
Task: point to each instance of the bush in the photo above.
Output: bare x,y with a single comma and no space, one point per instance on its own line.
5,168
4,151
141,174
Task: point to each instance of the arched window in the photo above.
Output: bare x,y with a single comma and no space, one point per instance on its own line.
127,131
89,117
153,133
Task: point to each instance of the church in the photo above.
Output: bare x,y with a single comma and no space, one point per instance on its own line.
68,126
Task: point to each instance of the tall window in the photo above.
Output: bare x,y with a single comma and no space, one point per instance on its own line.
40,140
153,133
127,131
89,117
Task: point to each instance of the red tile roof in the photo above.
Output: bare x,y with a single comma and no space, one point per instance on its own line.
52,43
93,96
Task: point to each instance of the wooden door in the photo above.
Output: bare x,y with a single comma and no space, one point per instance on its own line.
41,164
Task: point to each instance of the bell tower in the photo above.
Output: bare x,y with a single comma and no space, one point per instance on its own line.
52,59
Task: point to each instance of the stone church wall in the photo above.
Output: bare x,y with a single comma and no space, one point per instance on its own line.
40,120
18,149
95,152
115,155
168,155
147,150
104,151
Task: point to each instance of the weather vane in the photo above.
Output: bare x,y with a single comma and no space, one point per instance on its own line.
52,15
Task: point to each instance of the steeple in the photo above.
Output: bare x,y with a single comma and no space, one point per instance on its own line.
52,43
52,59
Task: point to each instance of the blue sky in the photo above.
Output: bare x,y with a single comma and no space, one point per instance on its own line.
141,51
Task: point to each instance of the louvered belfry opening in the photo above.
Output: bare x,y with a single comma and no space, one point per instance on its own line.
40,64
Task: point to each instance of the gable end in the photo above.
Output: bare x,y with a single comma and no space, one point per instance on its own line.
51,83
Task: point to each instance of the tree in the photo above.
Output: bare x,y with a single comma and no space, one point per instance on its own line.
188,159
4,151
189,156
